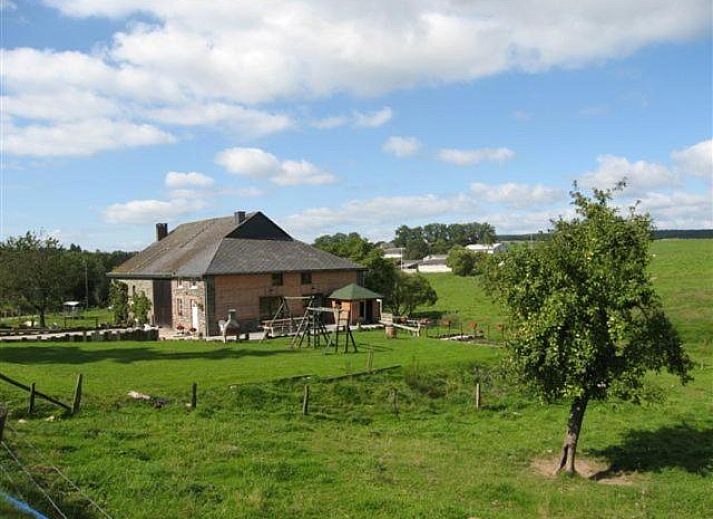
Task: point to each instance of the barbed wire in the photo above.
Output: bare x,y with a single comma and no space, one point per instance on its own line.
39,487
34,448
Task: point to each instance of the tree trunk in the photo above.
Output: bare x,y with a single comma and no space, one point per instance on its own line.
42,317
574,426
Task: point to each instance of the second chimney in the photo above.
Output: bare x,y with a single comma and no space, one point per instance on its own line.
161,231
239,216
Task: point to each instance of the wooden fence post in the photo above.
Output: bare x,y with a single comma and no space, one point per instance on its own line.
3,416
194,395
395,401
77,402
31,407
477,396
305,401
370,361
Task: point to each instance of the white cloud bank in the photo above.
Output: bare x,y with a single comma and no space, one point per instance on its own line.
79,138
695,160
257,163
516,195
641,176
190,63
263,51
149,211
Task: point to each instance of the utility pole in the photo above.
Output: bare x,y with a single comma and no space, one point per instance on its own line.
86,286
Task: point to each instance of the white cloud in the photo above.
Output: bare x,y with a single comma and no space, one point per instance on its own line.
517,195
245,121
679,210
79,138
401,146
475,156
176,180
256,163
148,211
188,64
328,123
640,175
695,160
378,212
356,119
7,5
265,51
373,119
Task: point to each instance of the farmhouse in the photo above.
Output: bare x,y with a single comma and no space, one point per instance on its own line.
196,273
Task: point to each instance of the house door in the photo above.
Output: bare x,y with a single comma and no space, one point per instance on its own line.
194,315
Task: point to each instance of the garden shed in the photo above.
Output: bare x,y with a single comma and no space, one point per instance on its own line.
363,304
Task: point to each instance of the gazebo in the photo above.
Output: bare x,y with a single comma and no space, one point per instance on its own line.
363,304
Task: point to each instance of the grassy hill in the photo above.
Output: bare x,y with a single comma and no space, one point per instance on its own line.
362,452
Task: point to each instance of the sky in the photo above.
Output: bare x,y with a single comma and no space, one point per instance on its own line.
349,116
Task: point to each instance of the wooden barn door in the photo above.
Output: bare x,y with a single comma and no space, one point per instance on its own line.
163,314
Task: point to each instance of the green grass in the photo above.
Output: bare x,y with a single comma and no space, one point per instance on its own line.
248,452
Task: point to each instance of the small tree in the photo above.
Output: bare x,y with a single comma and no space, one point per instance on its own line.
584,320
411,291
140,307
461,261
35,272
119,301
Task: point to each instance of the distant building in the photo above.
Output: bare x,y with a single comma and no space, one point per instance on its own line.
488,249
394,253
430,264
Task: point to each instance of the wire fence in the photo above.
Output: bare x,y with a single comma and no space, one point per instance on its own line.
22,467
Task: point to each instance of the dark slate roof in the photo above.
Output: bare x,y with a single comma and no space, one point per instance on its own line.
222,246
354,292
255,256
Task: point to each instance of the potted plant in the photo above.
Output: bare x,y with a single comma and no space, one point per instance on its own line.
180,328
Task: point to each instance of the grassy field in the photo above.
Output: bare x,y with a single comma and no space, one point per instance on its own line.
88,319
248,452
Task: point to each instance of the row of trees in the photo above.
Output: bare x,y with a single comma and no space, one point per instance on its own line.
403,293
440,238
37,274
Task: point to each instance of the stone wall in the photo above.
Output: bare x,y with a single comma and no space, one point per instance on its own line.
186,294
137,286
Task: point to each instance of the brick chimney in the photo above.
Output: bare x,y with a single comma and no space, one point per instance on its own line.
239,217
161,231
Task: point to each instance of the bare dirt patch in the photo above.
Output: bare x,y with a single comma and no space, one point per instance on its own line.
588,468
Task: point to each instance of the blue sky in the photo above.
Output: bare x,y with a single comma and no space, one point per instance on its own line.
349,116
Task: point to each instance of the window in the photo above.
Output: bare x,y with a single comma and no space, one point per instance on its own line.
269,307
277,279
306,278
179,307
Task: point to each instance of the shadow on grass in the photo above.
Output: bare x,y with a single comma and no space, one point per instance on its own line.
681,446
77,355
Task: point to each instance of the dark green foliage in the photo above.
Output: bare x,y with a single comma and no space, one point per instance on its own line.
33,273
584,320
464,262
119,301
140,307
582,309
409,292
352,245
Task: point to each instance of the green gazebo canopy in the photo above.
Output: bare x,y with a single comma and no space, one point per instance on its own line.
354,292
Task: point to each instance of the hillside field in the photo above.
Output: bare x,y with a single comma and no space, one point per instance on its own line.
405,443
